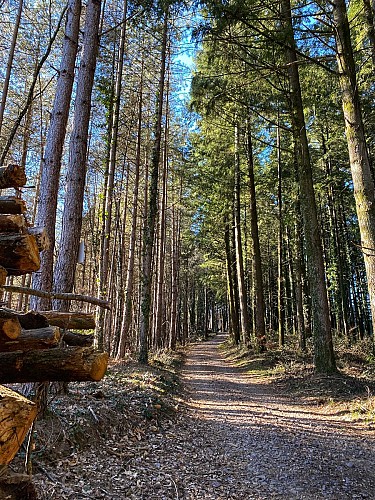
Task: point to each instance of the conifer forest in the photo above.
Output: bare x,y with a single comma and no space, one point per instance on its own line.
173,170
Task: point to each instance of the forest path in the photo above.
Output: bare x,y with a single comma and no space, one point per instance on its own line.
246,442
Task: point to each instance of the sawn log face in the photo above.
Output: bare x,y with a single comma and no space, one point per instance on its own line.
16,416
19,253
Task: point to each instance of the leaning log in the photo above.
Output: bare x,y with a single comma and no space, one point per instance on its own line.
77,339
15,223
10,327
29,340
12,176
12,205
16,416
63,296
68,364
78,320
19,253
28,321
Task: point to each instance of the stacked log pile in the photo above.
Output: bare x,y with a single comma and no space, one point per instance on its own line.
30,343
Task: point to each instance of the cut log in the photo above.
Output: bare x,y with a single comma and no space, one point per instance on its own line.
29,320
3,275
41,338
78,320
41,237
13,223
12,176
19,253
10,327
77,339
16,416
12,205
68,364
17,487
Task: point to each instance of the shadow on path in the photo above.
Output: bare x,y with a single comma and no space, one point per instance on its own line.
282,450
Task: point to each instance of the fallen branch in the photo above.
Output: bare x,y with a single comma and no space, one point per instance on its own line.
60,296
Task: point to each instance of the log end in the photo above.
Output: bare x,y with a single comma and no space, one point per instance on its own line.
10,328
16,416
99,366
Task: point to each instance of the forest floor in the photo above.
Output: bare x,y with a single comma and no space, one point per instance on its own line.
239,426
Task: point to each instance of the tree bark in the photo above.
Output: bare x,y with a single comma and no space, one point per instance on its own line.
78,320
72,215
80,364
149,227
77,339
58,296
244,314
363,182
29,340
16,416
324,359
260,326
12,49
51,163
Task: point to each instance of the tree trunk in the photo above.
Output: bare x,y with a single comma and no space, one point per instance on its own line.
110,180
259,312
244,315
364,191
4,94
72,215
280,279
233,310
324,359
51,163
127,314
149,227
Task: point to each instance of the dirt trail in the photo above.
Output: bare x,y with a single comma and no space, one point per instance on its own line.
267,446
235,439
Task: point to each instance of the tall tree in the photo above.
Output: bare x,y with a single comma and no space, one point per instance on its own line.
76,174
363,181
149,227
51,163
323,348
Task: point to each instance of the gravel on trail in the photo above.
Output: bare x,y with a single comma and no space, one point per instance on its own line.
236,439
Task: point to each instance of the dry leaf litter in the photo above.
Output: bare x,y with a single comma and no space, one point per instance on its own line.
131,436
